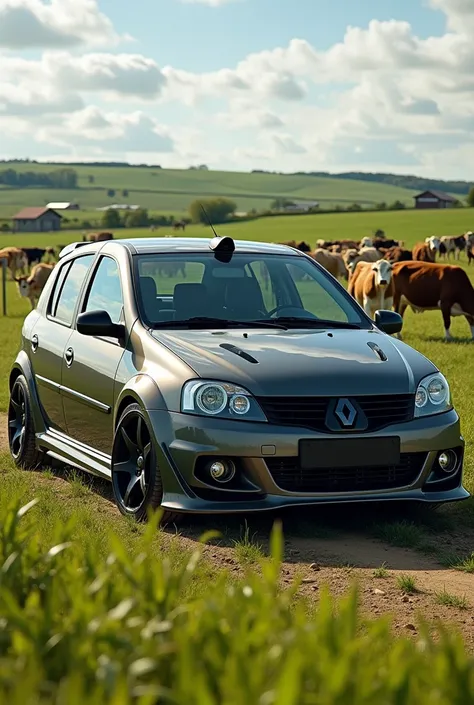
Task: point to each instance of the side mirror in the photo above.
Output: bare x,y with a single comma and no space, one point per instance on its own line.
99,323
388,321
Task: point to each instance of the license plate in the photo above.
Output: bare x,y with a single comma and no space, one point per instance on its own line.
349,452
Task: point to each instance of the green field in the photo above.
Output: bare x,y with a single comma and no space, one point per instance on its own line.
172,190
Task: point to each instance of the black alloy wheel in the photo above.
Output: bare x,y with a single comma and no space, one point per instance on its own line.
136,479
21,433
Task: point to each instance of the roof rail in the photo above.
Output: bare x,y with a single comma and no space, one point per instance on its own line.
71,247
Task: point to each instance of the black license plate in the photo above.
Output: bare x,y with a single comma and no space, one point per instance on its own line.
349,452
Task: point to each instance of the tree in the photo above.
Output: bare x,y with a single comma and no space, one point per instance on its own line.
111,219
111,193
137,219
218,210
470,197
125,193
396,206
382,206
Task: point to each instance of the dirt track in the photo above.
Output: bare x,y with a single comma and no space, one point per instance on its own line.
339,560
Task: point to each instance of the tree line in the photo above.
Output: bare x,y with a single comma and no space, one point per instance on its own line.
59,178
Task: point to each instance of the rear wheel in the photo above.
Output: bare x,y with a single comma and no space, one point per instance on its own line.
136,478
21,431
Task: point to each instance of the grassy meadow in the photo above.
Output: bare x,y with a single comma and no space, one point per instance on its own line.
172,190
96,609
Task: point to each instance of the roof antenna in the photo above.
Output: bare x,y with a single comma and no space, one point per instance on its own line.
208,220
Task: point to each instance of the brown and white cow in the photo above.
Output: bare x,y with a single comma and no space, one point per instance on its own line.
98,237
425,286
371,286
397,254
422,252
16,260
365,254
452,244
333,262
31,287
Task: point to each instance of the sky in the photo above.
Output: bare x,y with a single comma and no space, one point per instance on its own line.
280,85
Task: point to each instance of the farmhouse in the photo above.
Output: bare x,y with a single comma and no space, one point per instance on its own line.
434,199
36,220
63,206
300,206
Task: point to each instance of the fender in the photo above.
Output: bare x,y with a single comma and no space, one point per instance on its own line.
144,390
22,365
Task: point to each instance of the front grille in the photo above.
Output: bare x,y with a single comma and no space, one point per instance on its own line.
310,412
289,476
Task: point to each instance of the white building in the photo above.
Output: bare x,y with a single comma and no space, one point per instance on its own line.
63,206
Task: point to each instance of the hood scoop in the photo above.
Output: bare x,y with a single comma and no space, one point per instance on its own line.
237,351
378,351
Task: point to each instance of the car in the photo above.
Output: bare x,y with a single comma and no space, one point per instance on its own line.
220,376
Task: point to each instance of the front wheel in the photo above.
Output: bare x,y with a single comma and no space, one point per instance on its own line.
136,478
21,430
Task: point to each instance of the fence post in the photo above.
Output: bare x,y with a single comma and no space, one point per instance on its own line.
4,285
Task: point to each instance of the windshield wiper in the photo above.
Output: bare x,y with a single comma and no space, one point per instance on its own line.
301,322
209,322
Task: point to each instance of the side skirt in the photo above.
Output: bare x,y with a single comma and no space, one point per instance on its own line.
63,448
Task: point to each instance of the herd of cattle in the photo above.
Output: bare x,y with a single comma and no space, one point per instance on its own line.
381,273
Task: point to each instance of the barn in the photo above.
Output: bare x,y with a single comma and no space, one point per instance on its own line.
434,199
36,220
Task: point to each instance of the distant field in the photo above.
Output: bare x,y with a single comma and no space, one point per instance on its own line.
172,190
409,226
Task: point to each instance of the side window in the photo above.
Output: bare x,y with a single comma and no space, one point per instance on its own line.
66,303
105,293
260,271
53,302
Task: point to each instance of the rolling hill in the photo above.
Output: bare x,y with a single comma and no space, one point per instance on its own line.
171,190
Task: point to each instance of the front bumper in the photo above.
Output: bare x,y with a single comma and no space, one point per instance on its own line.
183,441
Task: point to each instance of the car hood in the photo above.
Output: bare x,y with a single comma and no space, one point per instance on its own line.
301,363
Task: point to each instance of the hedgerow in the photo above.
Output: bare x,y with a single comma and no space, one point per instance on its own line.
76,629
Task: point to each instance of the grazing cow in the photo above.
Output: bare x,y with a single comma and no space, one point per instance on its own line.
470,254
97,237
302,246
34,254
179,225
16,259
425,286
396,254
366,254
31,287
453,244
371,286
367,242
423,253
332,262
386,244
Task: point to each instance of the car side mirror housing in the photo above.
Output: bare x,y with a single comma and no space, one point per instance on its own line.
99,323
388,321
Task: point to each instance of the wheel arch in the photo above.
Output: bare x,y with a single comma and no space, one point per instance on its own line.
22,366
142,390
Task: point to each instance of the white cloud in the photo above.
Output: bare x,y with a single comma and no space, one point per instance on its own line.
380,96
209,3
31,24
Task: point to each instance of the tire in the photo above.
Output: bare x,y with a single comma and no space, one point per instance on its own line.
136,478
21,430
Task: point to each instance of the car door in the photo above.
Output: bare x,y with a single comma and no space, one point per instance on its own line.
50,335
90,364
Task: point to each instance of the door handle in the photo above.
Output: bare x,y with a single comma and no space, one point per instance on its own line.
69,356
34,343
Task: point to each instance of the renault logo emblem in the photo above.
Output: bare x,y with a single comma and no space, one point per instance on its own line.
345,412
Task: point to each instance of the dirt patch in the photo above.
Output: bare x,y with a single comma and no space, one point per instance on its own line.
338,562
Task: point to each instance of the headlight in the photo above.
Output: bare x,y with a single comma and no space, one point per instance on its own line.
220,399
432,396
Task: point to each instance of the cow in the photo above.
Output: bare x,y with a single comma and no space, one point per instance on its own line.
386,244
371,285
179,225
34,254
453,244
97,237
367,242
302,246
426,286
340,244
16,260
366,254
332,262
469,238
31,287
396,254
470,254
433,243
423,253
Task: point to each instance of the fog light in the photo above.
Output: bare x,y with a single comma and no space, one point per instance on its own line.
447,461
222,470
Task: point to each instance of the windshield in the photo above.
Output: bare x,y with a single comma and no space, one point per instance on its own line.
285,289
